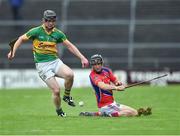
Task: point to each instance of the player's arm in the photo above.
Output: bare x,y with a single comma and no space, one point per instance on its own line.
72,48
16,45
114,79
104,86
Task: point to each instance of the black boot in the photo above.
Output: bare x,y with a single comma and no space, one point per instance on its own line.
69,100
148,111
60,112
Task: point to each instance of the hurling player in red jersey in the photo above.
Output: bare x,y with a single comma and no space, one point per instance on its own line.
104,83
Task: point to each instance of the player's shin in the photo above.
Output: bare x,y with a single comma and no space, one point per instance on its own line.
89,114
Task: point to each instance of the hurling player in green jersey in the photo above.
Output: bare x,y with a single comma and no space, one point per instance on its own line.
48,65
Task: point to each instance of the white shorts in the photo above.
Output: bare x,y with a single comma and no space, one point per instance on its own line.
111,108
48,69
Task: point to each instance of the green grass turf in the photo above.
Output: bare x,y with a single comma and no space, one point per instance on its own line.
31,111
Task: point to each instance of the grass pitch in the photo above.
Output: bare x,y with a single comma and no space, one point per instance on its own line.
31,111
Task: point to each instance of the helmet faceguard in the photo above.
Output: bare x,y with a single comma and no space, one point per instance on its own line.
96,59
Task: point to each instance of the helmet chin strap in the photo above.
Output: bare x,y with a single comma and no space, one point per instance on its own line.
98,72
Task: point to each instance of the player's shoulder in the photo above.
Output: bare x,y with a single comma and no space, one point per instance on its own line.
106,69
37,28
92,74
58,30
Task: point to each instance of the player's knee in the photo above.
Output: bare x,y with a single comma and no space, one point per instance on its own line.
56,93
70,76
55,88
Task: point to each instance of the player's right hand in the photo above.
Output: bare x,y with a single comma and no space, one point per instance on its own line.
10,55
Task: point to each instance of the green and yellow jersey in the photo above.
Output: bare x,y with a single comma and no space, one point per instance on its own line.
44,43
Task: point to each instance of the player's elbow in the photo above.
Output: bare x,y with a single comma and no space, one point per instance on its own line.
22,38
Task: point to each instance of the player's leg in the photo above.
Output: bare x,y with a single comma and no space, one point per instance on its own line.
117,110
46,73
127,111
65,72
54,86
111,110
89,114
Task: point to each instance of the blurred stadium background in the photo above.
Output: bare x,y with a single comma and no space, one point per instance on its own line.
130,34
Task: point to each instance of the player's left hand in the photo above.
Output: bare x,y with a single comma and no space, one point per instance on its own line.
118,83
84,62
